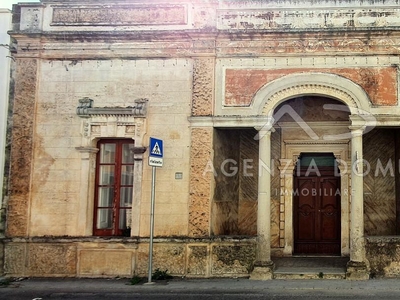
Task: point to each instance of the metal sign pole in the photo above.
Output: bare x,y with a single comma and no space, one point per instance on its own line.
155,160
153,192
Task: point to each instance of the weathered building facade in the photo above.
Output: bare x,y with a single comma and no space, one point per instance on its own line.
5,63
280,123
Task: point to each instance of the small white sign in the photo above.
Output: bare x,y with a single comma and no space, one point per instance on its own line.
155,161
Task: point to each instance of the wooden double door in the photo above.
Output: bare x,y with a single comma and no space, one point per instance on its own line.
316,213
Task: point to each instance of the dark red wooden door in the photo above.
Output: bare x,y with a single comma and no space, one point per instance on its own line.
317,215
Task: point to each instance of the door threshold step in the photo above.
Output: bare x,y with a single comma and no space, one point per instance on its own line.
310,275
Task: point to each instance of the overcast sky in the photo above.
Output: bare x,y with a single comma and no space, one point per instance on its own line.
8,3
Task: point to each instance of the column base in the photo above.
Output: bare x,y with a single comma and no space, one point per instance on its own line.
263,270
357,271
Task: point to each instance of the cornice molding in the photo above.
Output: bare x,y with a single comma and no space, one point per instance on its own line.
316,142
85,109
230,121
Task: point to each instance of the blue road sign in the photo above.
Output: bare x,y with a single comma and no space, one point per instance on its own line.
156,152
156,147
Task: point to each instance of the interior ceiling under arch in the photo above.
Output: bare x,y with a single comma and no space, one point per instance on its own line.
311,108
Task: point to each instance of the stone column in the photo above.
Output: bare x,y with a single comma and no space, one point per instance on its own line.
263,267
356,267
343,166
86,190
286,170
137,190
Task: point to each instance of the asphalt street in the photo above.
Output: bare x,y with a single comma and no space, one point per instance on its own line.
41,289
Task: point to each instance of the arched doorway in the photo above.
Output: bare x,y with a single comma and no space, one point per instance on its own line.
314,164
316,205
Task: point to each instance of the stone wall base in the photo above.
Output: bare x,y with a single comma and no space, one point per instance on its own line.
184,257
126,257
383,255
357,271
263,271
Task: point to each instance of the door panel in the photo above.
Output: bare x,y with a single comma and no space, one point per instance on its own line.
330,212
306,209
316,215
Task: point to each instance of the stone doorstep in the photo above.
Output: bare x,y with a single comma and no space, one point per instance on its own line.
306,276
310,273
310,268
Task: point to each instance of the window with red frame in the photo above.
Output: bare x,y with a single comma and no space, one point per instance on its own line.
114,188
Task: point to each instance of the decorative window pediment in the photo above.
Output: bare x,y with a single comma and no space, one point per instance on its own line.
85,109
112,122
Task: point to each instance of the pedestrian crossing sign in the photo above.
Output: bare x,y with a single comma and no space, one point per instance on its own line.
156,147
156,152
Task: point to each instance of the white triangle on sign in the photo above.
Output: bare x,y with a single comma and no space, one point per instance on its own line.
156,149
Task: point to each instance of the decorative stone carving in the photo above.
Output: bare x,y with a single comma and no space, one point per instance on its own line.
111,122
103,122
291,152
308,45
83,107
86,109
309,89
120,16
306,19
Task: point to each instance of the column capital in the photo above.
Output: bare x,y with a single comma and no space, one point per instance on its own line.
357,130
267,126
